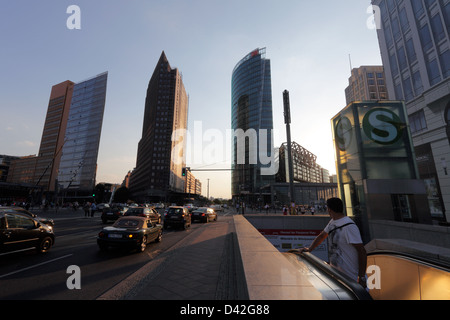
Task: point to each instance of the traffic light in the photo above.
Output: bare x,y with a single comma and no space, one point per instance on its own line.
185,170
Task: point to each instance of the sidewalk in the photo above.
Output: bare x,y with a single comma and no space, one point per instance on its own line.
61,214
201,267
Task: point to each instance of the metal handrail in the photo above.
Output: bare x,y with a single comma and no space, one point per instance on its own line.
355,289
430,262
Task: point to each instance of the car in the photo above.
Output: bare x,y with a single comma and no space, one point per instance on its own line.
20,232
131,232
217,207
178,217
190,207
144,212
159,205
204,214
112,213
48,222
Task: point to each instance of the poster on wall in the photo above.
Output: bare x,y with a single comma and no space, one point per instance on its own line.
285,240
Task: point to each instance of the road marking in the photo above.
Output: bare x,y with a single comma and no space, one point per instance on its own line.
34,266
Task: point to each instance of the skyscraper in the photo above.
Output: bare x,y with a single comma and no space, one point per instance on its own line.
366,83
161,150
415,49
70,140
52,141
78,166
251,115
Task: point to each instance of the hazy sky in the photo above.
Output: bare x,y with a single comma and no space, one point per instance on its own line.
308,43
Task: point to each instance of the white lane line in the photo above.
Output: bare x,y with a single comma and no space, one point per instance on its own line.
34,266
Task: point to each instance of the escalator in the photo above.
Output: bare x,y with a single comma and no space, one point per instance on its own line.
330,282
409,277
400,277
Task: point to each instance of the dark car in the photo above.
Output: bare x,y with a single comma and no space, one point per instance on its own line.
204,214
130,232
112,213
46,221
146,212
178,217
20,232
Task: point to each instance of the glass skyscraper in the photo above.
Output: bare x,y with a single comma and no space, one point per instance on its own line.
252,123
78,166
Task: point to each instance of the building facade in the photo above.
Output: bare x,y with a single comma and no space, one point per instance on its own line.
366,83
78,164
68,151
53,136
193,186
251,116
415,49
162,150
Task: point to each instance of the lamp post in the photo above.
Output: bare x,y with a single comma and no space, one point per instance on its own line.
287,121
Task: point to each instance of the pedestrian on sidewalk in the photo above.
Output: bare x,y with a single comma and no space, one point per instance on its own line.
93,208
86,208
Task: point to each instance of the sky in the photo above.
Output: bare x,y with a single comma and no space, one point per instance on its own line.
308,43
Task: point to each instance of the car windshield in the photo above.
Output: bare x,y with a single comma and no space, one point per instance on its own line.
135,210
175,211
127,223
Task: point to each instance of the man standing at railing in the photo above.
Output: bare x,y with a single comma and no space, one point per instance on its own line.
346,250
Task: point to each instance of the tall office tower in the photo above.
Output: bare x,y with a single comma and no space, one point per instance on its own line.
50,151
161,151
251,113
366,83
415,48
78,166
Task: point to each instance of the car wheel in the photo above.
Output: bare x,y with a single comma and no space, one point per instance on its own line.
143,245
159,237
45,245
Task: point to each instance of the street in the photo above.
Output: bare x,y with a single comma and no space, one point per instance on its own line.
31,276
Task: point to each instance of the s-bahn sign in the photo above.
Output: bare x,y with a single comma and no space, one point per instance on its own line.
380,125
383,126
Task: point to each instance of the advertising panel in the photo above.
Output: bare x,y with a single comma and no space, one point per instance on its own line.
285,240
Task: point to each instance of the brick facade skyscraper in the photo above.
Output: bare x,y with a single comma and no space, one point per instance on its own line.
157,175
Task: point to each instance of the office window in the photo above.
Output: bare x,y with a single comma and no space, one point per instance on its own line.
445,63
417,8
408,89
425,38
394,66
417,122
398,92
437,28
410,51
417,83
434,75
402,58
404,20
446,14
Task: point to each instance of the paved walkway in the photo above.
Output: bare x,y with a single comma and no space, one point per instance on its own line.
201,267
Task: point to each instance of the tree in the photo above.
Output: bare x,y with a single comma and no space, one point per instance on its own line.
122,195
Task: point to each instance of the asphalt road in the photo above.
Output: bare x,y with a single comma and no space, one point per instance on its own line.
31,276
